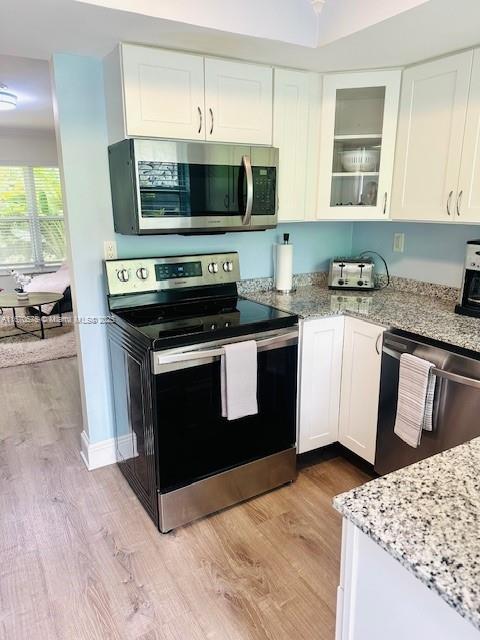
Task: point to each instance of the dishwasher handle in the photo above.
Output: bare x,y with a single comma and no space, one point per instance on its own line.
441,373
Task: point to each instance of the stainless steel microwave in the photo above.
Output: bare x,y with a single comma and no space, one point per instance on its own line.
167,186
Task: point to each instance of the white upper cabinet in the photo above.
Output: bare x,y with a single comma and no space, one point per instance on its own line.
467,204
296,123
169,94
238,102
362,348
163,92
429,141
358,128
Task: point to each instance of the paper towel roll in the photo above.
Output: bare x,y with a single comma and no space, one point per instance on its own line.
284,267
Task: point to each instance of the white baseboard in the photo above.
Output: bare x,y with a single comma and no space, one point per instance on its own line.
97,454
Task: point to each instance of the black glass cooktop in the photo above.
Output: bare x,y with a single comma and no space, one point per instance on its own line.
189,323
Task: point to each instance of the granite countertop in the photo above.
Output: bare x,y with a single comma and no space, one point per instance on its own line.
425,315
427,516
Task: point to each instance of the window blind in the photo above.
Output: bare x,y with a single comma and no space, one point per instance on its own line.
31,217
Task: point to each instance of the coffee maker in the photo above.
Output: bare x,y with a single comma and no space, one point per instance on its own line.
469,304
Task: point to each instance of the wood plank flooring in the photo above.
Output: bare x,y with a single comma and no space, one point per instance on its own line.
80,560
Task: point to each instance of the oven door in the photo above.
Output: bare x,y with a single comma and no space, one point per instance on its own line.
185,186
194,440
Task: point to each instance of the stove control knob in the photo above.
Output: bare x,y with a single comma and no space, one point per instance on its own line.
228,266
123,275
142,273
213,267
341,282
360,283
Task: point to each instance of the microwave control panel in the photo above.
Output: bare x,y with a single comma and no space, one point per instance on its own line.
264,190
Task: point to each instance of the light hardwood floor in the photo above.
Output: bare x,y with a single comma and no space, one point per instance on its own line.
80,560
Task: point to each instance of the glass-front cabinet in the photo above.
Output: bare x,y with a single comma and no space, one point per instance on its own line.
359,120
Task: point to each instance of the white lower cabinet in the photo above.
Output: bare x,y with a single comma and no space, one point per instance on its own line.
379,599
339,381
360,387
319,387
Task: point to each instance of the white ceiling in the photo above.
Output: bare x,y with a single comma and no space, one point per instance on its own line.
38,28
29,80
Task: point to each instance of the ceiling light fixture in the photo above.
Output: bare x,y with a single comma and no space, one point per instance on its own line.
318,5
8,100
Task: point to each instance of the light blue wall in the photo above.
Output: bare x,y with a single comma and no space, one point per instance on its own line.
433,252
82,142
314,243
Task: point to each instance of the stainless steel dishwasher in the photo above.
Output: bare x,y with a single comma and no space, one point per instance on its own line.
456,414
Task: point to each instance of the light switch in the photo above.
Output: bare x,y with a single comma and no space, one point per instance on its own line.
398,242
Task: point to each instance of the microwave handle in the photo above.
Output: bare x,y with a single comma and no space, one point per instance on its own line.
247,165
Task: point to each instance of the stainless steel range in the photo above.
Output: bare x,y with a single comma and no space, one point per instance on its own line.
172,317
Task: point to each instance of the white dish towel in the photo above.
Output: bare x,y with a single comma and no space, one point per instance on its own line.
416,390
239,380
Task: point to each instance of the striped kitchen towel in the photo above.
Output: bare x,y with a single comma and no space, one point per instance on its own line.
416,390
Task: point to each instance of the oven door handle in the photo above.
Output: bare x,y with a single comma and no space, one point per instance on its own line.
247,165
181,360
441,373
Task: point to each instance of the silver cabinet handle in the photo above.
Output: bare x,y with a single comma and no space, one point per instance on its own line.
200,117
211,118
377,343
249,204
385,203
449,199
459,201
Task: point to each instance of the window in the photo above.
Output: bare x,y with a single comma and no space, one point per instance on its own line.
31,217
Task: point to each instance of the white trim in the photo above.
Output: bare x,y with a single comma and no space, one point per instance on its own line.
97,454
104,453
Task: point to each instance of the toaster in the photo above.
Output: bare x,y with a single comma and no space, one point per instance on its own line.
351,273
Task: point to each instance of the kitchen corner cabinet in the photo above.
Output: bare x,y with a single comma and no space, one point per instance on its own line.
296,132
360,387
430,136
358,130
169,94
319,382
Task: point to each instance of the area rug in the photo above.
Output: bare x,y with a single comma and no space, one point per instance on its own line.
27,349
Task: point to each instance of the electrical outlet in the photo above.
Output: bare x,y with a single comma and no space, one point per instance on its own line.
110,249
398,242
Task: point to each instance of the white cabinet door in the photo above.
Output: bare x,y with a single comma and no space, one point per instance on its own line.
429,141
379,599
467,205
358,130
320,374
296,108
360,387
238,101
163,93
